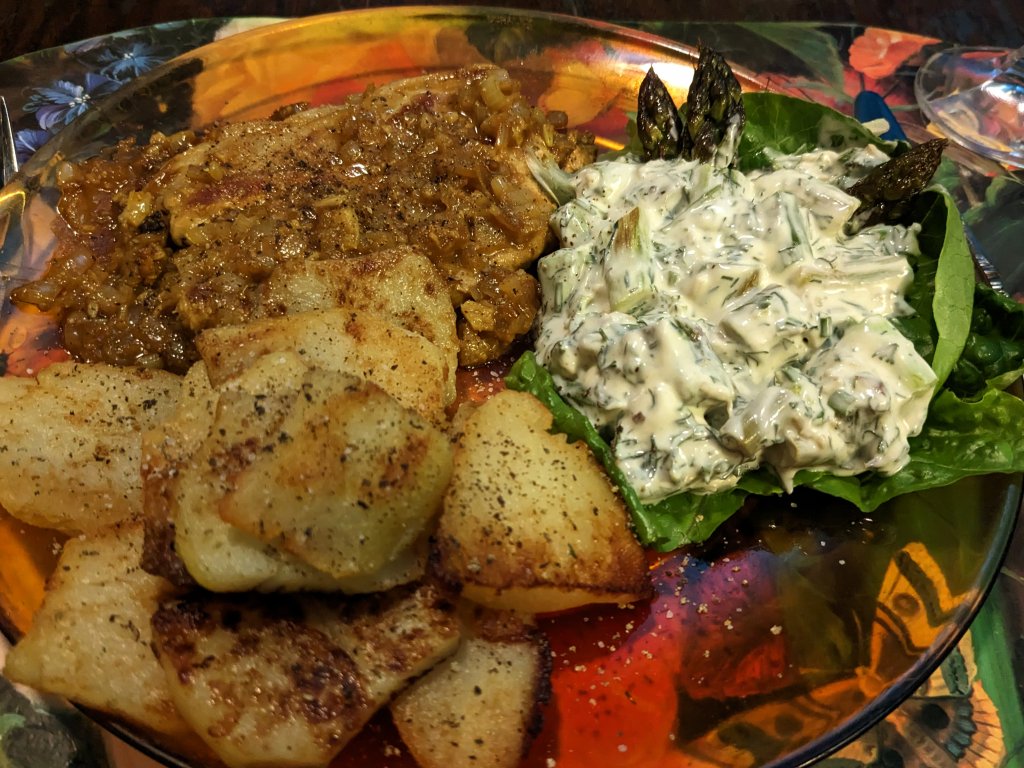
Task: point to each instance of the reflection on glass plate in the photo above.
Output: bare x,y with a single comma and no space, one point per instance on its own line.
976,97
798,626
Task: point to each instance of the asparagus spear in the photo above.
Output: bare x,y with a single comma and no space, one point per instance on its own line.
886,192
714,109
658,124
713,114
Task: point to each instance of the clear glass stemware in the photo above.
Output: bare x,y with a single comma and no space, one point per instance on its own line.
975,96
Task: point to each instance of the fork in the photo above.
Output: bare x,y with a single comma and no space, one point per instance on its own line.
8,156
11,203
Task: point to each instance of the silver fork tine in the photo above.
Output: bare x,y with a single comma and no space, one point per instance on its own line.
10,216
7,153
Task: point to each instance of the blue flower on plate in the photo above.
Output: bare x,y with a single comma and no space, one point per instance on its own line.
63,101
28,141
130,59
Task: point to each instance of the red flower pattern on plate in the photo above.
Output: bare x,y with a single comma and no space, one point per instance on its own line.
878,53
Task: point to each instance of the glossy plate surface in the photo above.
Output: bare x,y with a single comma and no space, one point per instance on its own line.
797,627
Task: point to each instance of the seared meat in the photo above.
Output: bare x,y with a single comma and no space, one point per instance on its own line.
165,240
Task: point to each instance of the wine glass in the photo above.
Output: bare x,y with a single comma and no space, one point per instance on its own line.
975,96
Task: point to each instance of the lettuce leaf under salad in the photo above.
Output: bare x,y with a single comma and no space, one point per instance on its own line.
972,336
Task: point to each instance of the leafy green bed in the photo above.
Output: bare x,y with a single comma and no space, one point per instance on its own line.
972,336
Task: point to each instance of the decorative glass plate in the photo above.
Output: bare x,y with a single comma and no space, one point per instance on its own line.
799,624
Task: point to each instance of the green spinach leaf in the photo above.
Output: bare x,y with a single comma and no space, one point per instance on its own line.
960,438
994,352
777,123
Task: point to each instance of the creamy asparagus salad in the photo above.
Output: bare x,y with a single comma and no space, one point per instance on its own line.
716,321
757,294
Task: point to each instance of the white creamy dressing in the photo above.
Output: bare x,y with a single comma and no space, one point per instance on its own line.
714,321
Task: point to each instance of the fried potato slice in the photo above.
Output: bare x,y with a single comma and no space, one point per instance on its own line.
404,364
169,447
183,488
401,285
186,539
530,522
71,451
393,636
288,681
322,465
222,558
483,705
90,641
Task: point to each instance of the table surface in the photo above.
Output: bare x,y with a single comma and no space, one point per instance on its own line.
993,202
27,26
